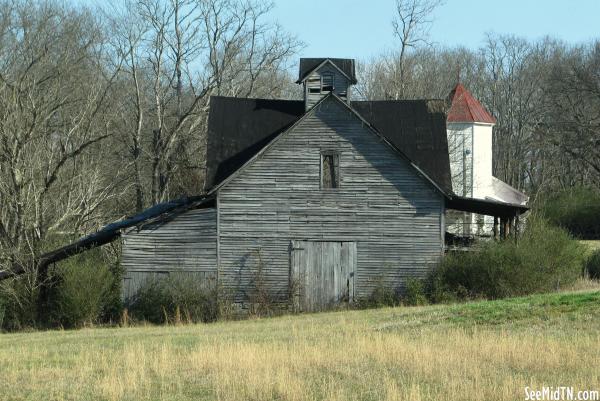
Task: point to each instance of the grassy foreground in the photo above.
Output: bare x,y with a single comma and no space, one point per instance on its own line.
481,350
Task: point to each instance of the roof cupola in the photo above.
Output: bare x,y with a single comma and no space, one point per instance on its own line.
321,76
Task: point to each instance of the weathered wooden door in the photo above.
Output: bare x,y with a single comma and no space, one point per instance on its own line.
321,274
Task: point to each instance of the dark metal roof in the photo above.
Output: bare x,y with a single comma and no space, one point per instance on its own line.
346,65
240,128
485,206
418,129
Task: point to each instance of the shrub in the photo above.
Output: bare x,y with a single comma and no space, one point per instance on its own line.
414,293
577,210
19,298
174,299
259,296
592,265
545,258
81,290
382,295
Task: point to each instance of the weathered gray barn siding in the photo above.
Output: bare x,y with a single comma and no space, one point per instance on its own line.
393,214
341,84
187,244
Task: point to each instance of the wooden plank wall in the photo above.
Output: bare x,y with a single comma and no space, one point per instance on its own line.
187,243
341,84
322,273
134,279
393,214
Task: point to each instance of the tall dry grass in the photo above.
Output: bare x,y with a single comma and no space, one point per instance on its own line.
386,354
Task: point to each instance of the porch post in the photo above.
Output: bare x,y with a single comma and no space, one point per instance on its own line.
496,227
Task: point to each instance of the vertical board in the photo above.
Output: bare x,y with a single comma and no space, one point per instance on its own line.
325,271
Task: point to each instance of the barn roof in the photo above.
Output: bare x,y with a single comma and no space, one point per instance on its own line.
345,65
418,129
160,212
465,108
240,128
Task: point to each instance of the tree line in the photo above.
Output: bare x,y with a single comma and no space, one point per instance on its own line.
103,111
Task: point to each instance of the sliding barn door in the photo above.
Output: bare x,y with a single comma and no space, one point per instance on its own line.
321,274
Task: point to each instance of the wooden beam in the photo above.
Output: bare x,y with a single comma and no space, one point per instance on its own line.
496,233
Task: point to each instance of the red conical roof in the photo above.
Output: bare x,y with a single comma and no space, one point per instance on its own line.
465,108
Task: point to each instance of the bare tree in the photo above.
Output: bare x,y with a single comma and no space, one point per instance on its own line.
411,25
574,99
55,114
178,54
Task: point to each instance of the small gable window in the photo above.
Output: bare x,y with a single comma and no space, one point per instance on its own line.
327,82
330,170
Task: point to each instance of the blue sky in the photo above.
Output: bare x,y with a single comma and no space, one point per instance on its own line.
362,28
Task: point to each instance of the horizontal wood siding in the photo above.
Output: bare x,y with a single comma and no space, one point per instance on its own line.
187,243
134,279
393,214
341,84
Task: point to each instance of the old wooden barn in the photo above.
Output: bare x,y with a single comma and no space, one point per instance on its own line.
321,199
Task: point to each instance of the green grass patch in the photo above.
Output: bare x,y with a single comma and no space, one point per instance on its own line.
475,350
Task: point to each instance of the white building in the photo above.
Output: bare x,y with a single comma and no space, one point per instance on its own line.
469,129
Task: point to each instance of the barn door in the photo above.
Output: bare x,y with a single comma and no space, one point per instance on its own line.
321,274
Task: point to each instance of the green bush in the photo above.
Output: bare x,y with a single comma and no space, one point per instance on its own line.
382,295
414,293
82,290
544,258
19,298
577,210
592,265
173,299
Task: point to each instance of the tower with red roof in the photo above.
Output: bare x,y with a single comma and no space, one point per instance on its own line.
469,130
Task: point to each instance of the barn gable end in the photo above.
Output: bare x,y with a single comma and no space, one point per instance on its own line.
393,214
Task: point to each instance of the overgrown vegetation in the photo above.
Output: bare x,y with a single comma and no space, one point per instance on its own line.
577,210
476,350
545,258
82,290
413,294
592,266
19,301
174,299
382,295
261,300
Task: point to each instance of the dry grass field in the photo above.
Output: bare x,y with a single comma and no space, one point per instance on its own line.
474,351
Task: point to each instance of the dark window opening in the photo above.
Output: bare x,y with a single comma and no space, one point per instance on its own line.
327,82
314,90
330,170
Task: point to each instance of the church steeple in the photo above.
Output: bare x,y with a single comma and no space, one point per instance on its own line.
465,108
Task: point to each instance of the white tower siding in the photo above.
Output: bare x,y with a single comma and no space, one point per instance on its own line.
460,148
482,160
470,149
